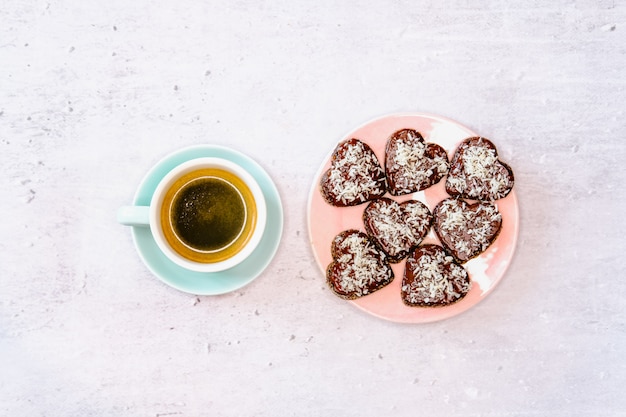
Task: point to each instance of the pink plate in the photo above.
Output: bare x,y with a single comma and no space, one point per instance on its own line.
326,221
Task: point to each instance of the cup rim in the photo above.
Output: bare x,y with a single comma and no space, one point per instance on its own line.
191,165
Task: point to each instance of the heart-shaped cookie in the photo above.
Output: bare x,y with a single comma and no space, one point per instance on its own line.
412,164
355,175
432,278
477,173
359,267
397,227
466,230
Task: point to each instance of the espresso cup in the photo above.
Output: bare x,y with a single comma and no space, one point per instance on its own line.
206,214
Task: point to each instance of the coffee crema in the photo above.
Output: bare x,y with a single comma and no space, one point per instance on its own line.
208,215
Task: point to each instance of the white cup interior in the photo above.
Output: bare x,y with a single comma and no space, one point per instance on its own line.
193,165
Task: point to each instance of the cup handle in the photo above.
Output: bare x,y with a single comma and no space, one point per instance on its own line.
134,215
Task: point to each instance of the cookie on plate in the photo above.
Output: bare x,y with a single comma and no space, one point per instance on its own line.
358,268
397,227
412,164
477,173
432,278
355,175
466,230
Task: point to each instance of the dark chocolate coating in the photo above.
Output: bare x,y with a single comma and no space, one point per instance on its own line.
433,279
397,227
484,178
426,166
466,230
354,177
359,267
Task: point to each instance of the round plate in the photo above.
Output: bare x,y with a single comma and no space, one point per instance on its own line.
326,221
205,283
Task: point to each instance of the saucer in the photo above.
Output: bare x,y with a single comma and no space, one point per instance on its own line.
326,221
205,283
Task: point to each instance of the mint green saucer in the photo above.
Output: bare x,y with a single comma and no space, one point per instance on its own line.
203,283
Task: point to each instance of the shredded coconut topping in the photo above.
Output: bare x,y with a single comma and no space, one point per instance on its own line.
409,165
355,174
478,161
417,214
433,278
363,265
467,231
397,227
409,152
477,173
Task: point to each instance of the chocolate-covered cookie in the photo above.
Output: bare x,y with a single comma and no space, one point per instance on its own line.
466,230
355,175
477,173
359,267
397,227
411,164
432,278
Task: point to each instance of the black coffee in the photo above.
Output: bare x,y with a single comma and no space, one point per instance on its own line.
208,214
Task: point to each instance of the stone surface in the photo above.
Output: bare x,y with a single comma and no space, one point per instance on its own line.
92,94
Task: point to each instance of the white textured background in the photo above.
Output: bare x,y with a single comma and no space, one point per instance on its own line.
92,93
